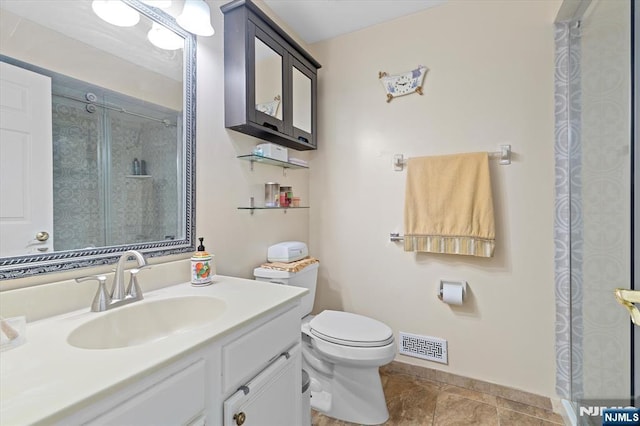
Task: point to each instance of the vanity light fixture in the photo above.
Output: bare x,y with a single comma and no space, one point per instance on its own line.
162,37
116,12
196,18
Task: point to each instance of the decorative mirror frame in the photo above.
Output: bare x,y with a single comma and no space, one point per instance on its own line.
33,264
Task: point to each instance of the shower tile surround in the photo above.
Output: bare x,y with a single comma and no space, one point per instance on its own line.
419,396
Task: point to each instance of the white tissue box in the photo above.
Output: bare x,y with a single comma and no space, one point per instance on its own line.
274,151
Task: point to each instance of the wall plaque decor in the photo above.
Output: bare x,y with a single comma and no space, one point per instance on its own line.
403,84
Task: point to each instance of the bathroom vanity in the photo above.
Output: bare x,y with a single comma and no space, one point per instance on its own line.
225,354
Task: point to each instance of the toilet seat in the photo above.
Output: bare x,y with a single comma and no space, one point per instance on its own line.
348,329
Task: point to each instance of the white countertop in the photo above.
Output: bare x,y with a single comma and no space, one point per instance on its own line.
46,378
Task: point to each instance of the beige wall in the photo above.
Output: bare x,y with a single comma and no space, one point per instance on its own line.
490,82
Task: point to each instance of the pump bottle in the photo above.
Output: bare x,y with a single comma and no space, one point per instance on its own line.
202,266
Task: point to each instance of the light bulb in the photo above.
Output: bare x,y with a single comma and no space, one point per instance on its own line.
196,18
116,12
164,38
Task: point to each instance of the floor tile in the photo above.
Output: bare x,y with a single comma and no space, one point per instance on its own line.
513,418
454,410
471,394
416,401
410,400
546,415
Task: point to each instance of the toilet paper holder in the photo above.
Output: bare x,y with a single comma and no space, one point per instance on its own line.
462,284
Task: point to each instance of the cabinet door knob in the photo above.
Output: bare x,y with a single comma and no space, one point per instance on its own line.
240,418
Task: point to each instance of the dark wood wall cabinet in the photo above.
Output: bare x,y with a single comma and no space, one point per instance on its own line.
270,80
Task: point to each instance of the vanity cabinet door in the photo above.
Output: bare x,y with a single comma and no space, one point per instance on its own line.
272,398
178,398
253,350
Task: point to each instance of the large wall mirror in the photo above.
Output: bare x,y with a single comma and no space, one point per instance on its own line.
97,136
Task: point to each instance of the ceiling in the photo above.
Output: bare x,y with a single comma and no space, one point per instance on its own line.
316,20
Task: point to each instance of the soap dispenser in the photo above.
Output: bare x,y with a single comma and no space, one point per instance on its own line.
202,266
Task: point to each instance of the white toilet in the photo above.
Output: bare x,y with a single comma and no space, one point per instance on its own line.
341,352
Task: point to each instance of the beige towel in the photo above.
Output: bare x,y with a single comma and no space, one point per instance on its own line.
296,266
448,205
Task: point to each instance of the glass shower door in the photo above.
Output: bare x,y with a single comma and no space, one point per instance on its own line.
99,199
601,161
77,191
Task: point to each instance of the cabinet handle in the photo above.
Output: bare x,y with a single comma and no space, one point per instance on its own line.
240,418
271,126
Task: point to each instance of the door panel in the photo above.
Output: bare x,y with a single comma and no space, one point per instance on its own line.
26,207
269,399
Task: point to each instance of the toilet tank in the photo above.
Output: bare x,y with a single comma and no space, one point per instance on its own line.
306,278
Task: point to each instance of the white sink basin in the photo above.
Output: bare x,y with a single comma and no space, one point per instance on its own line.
146,322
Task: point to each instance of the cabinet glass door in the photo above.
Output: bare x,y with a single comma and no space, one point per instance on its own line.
268,80
301,101
303,92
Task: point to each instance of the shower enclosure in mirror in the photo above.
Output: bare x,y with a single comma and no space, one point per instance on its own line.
117,167
97,125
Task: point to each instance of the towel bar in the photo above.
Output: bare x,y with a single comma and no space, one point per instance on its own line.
504,157
395,237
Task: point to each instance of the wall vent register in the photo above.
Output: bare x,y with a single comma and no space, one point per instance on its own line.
425,347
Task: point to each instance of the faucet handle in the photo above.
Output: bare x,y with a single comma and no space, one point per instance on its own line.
133,289
102,299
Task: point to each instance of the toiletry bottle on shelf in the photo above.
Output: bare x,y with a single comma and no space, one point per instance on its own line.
202,266
136,166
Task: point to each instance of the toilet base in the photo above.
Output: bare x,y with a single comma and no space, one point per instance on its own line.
350,394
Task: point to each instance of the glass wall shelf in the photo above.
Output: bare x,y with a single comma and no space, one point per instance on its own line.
272,208
271,161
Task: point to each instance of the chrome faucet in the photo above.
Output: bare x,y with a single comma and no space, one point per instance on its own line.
118,289
118,295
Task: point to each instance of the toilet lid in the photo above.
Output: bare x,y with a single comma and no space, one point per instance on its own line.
349,329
